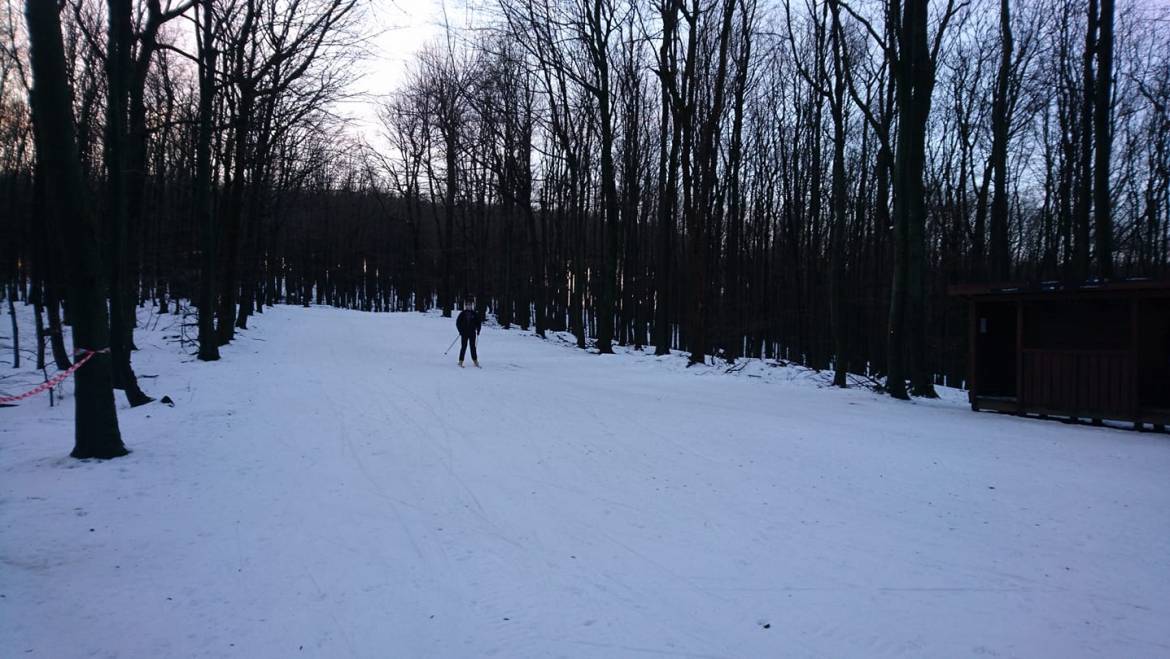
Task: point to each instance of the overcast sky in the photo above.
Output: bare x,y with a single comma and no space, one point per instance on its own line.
398,29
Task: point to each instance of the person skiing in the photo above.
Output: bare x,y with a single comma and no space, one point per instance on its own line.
468,323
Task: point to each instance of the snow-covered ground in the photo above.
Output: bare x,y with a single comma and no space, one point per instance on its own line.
336,487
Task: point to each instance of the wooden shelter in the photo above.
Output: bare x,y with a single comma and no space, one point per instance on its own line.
1087,351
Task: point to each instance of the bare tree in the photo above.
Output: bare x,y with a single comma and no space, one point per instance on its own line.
96,430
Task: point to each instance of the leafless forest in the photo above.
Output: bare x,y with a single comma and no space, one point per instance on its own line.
727,178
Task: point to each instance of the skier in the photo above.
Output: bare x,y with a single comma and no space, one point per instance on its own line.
468,323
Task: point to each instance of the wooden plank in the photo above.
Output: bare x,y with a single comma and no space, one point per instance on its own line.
1007,291
1105,388
972,353
1090,383
1042,378
1027,389
1020,394
1074,351
1058,381
1086,373
997,404
1082,383
1134,380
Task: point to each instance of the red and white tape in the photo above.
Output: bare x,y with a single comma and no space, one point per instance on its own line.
57,379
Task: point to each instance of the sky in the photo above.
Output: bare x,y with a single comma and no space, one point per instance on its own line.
397,29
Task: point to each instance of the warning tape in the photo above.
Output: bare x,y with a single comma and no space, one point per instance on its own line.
56,379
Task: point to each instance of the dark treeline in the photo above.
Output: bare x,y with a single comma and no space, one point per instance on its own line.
147,151
796,180
728,178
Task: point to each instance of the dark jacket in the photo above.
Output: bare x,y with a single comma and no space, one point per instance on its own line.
468,323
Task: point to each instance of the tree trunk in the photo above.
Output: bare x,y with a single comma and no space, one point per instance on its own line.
1085,183
118,61
668,154
233,218
40,330
914,70
1103,205
1000,125
838,228
96,433
704,202
208,340
921,72
448,238
15,326
56,338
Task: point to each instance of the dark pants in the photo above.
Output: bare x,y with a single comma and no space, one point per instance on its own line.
464,340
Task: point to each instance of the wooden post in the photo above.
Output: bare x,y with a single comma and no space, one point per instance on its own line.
1020,356
972,355
1134,363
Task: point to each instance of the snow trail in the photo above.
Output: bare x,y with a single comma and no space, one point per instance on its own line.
337,487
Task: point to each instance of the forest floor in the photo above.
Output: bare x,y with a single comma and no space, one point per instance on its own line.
337,487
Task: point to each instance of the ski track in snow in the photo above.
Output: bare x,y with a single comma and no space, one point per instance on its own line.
336,487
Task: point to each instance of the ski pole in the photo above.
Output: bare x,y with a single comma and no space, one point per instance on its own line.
450,346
